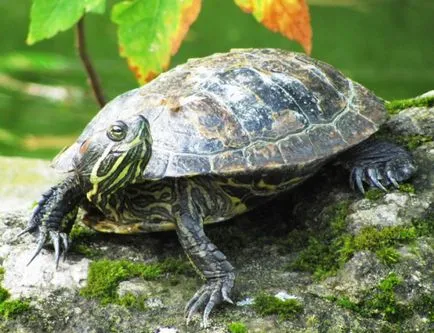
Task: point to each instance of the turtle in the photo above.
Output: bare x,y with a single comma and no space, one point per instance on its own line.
211,139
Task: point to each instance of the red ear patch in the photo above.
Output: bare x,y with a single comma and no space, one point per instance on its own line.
84,146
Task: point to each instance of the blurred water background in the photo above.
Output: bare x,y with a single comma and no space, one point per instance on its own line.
387,45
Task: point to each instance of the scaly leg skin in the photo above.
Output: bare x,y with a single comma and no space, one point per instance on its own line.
209,261
54,216
379,164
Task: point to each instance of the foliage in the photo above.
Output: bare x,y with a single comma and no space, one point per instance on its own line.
48,17
268,305
289,17
151,31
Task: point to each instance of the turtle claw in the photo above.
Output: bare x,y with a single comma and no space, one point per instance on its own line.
40,243
59,240
377,176
29,229
212,293
373,177
391,178
356,179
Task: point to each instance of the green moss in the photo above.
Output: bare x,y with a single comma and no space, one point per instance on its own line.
396,106
407,188
374,194
105,275
424,227
328,249
10,308
81,233
412,141
321,255
379,302
237,327
13,308
80,237
388,255
338,214
425,305
269,305
346,303
176,266
132,301
4,294
370,238
86,251
382,301
389,283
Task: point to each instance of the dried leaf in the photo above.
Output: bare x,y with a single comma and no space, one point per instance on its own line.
151,31
289,17
48,17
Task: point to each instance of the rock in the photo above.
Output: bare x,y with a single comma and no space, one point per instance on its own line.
364,267
143,290
166,330
391,210
308,243
413,121
39,279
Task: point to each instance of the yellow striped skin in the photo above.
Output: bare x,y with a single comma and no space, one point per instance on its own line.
152,206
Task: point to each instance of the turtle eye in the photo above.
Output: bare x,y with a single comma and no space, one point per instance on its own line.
117,131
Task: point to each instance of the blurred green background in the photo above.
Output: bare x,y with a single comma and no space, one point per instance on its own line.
387,45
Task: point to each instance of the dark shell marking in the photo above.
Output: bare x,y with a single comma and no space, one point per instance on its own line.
245,111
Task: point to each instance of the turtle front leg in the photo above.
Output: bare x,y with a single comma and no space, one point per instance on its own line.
54,217
208,260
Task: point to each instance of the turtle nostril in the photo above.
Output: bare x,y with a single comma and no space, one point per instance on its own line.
84,147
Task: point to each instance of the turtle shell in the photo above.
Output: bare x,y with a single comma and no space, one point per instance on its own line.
243,111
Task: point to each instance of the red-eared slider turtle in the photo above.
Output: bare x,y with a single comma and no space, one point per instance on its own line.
209,140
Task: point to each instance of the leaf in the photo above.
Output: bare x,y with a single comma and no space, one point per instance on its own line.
48,17
151,31
289,17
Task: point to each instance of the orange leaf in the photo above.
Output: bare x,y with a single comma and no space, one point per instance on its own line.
289,17
151,31
189,14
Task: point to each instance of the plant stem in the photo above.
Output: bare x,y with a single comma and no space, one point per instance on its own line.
91,73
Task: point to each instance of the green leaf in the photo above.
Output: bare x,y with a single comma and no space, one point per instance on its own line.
151,31
48,17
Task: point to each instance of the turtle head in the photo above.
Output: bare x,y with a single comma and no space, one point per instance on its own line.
113,158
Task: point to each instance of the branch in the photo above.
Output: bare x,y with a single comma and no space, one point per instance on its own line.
92,75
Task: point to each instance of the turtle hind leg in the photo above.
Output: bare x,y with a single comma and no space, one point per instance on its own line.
378,164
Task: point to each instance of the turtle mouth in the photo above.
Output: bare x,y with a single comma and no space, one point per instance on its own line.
117,153
91,213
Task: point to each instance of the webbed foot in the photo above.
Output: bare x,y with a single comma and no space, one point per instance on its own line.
212,293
